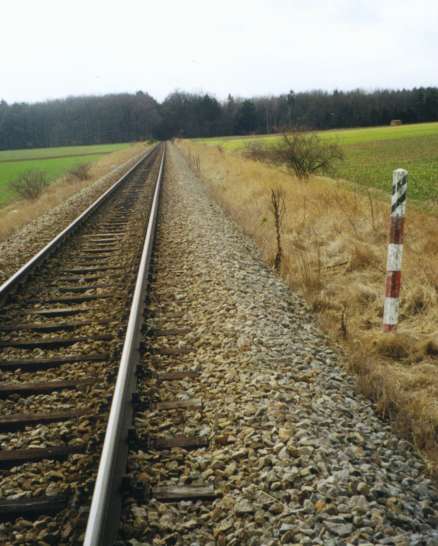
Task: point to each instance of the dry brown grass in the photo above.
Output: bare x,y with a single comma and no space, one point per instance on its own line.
334,244
19,213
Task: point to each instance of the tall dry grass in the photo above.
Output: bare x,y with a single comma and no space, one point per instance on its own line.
20,212
334,243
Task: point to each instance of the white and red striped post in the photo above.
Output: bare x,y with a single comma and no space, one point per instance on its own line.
395,250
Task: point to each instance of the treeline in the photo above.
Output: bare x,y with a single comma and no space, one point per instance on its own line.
78,120
131,117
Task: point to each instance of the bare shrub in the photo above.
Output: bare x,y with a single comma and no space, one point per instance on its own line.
30,184
302,153
81,171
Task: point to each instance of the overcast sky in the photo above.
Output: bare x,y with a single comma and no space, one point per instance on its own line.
56,48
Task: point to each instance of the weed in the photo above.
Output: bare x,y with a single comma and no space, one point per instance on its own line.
278,209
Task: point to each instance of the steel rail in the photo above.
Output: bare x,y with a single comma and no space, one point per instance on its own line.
104,516
19,276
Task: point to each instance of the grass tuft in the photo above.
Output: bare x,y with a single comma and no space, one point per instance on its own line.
395,346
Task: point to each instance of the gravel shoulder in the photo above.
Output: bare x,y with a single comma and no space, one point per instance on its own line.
297,454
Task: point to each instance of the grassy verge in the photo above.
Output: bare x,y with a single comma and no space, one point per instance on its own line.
59,151
53,161
15,213
372,153
334,243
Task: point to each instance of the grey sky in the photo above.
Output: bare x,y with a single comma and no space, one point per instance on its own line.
55,48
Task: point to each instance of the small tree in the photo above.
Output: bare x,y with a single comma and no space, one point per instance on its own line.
30,184
302,153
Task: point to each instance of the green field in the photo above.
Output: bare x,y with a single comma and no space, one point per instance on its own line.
372,154
54,161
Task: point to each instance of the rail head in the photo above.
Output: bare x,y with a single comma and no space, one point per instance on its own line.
11,284
105,508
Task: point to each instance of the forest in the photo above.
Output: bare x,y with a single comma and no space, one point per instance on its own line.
128,117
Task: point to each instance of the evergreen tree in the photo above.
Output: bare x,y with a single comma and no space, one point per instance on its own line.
246,119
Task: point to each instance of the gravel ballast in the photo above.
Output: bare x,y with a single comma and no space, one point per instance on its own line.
296,455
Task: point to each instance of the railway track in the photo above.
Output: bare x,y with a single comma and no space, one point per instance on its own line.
150,404
74,340
170,424
64,316
176,393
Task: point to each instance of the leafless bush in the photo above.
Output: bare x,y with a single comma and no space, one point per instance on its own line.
30,184
81,171
302,153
